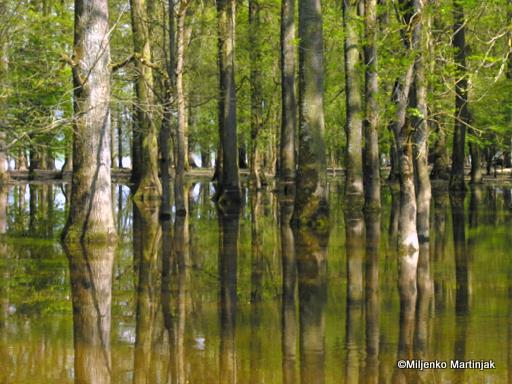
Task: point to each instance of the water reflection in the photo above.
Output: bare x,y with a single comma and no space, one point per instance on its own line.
355,253
229,222
91,289
288,295
372,297
311,255
238,296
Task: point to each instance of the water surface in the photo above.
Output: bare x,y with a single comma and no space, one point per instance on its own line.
240,297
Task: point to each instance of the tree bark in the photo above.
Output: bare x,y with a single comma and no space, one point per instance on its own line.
229,181
421,132
462,116
181,145
441,168
311,207
145,161
371,160
288,102
4,68
354,122
256,80
90,216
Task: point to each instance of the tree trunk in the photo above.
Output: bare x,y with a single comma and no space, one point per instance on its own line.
288,102
255,46
420,136
90,216
229,181
311,200
145,162
462,116
181,146
371,160
441,168
354,122
164,138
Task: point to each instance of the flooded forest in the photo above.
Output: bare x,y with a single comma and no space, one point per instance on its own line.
255,191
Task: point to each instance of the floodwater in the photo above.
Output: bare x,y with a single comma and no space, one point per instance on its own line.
242,298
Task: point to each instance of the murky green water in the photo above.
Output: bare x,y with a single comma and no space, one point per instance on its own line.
240,299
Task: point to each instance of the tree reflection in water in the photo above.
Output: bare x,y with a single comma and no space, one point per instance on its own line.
311,255
191,304
91,290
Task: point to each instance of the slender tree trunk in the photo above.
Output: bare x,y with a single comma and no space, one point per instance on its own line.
229,181
120,122
288,102
423,189
182,152
311,200
145,164
371,160
462,114
164,137
256,80
354,121
90,216
4,68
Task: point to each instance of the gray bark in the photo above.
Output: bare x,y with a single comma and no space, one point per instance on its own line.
90,215
371,161
288,101
354,122
311,200
145,159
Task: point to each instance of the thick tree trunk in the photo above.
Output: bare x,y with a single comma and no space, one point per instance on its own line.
145,161
354,121
256,80
288,102
371,160
311,200
90,216
229,181
91,291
